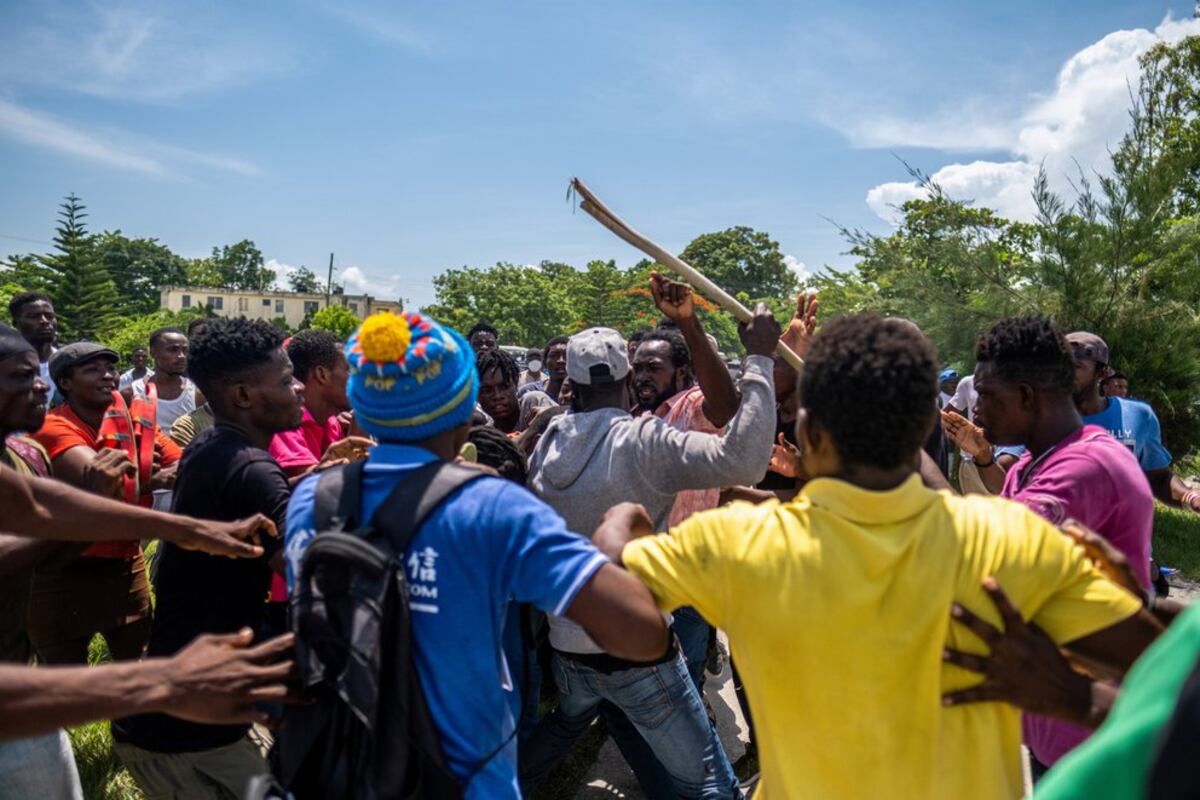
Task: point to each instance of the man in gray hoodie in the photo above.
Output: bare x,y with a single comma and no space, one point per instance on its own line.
589,461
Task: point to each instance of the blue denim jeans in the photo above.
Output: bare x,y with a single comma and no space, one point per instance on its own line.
662,703
691,630
39,767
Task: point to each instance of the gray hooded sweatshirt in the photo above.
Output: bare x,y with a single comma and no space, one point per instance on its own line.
588,462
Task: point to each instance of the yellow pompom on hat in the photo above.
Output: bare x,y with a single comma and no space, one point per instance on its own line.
385,338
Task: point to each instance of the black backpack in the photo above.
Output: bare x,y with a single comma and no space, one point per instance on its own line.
367,733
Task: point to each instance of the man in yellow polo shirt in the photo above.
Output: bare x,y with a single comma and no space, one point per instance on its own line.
836,603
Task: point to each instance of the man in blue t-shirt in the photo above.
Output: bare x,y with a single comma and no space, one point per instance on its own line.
1131,422
413,386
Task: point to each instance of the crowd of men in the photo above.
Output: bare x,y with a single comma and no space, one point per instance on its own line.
432,569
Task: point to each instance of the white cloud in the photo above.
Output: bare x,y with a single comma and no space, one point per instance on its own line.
798,267
282,271
1078,121
380,287
137,50
354,279
110,147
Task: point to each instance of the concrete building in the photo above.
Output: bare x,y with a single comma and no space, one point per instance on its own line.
268,305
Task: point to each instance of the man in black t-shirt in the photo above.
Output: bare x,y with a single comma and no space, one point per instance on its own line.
226,474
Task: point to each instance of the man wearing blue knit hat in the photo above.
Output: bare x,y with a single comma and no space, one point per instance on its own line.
413,386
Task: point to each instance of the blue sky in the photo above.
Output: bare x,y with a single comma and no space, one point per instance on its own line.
412,137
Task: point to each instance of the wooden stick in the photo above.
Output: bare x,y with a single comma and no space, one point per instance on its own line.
602,214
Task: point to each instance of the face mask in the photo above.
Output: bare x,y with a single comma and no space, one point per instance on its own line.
534,365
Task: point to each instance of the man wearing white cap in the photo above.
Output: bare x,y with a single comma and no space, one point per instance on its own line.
599,456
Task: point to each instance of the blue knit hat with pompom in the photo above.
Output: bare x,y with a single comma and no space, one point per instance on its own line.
410,377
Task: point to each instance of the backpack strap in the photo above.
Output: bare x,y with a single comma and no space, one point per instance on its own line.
408,505
338,497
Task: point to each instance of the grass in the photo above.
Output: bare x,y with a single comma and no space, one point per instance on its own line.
1177,540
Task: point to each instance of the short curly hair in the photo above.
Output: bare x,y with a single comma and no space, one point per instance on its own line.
1030,350
498,359
226,348
872,383
680,355
499,452
312,348
18,303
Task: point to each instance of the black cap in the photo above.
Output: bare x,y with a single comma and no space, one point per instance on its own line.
75,354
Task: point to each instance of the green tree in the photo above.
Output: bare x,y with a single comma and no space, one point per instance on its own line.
85,297
743,262
240,266
25,270
338,320
140,268
527,304
305,280
135,331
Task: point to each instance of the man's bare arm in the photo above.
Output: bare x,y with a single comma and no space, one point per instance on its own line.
214,680
721,398
41,508
618,612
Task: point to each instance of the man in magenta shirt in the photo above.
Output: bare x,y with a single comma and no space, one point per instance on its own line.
1025,379
321,366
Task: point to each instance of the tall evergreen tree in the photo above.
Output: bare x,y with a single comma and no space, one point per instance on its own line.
85,297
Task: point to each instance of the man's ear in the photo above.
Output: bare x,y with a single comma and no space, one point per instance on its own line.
321,373
805,435
1028,395
240,395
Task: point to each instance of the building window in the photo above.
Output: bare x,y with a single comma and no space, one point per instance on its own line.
186,301
279,306
266,302
354,307
311,307
243,304
216,303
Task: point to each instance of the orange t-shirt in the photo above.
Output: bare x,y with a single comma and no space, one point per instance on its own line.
63,429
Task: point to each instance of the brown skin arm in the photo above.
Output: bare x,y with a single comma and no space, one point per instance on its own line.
98,471
214,680
40,508
618,612
18,554
1028,670
721,397
614,607
993,474
748,494
1168,488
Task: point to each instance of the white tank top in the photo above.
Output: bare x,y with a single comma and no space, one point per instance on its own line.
170,410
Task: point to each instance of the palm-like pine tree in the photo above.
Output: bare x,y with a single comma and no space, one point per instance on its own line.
85,297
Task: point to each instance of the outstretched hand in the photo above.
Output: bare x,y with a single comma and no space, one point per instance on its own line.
1025,667
240,539
803,325
965,434
785,458
221,680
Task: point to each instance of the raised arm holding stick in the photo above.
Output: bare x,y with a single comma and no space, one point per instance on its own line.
601,213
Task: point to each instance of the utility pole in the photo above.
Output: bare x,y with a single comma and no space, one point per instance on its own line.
329,283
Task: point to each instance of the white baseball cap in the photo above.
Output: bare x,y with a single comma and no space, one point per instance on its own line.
597,355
